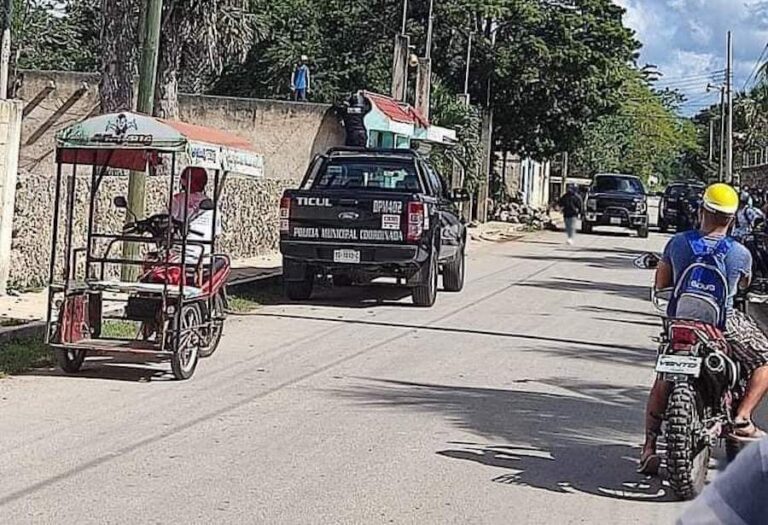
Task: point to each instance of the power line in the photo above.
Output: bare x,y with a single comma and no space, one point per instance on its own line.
757,66
697,75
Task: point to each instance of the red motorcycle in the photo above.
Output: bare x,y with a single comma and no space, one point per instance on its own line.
707,385
164,266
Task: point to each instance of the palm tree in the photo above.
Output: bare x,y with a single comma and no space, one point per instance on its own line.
199,38
118,54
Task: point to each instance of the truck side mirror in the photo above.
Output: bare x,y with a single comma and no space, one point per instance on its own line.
460,195
120,202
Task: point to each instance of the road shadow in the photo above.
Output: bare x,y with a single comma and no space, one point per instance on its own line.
604,262
369,295
575,441
603,233
634,322
610,311
562,284
561,346
133,369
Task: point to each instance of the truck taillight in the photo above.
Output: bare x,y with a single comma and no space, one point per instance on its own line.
285,214
415,221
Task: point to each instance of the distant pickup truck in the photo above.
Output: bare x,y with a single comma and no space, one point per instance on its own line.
361,214
616,200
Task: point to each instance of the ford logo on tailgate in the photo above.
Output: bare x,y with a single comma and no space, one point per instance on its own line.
349,216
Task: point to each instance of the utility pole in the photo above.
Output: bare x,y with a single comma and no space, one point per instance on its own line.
721,173
5,48
729,125
711,138
400,61
137,181
424,72
469,60
429,29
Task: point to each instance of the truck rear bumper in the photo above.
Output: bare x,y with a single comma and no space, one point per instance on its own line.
373,257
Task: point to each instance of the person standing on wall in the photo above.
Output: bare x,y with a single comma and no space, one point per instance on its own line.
572,207
300,80
352,113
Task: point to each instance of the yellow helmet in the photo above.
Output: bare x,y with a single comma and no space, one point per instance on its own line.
721,198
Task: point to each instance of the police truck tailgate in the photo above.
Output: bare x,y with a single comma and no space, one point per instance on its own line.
350,217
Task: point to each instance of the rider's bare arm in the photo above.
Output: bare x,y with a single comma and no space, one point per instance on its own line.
664,276
745,281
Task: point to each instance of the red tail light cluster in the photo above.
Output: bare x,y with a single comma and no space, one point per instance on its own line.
285,214
415,221
683,337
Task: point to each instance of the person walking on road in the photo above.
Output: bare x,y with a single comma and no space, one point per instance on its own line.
300,80
572,207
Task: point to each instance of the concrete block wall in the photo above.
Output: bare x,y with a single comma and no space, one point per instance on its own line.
287,134
10,136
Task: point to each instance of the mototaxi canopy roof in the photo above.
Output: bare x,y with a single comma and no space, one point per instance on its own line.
133,141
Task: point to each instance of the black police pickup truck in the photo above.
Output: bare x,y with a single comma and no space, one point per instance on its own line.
367,213
676,201
616,200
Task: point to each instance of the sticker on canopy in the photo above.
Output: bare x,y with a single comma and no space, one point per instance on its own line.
390,222
244,162
204,156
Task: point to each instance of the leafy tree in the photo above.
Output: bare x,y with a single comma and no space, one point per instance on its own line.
47,35
644,137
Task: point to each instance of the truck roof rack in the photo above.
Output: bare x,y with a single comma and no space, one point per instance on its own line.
372,151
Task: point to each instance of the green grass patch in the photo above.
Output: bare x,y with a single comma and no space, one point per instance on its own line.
249,298
6,322
119,329
19,355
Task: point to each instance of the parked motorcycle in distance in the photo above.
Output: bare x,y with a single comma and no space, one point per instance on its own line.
707,386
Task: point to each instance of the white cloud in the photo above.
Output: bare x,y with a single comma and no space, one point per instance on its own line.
685,39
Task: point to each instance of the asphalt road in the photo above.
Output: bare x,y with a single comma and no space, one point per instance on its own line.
519,400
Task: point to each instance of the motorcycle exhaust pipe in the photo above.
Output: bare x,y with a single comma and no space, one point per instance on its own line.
715,363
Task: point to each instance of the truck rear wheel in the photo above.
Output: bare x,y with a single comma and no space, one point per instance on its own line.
425,293
298,280
453,273
586,227
642,232
299,290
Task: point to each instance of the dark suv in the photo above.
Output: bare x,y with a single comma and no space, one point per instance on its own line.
675,197
616,200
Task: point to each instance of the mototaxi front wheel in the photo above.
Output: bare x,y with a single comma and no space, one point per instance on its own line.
187,351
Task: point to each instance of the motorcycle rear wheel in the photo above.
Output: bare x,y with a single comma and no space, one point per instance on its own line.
687,456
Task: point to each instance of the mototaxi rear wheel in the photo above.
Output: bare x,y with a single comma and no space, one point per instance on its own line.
688,453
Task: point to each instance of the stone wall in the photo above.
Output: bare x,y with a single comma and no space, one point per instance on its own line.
287,134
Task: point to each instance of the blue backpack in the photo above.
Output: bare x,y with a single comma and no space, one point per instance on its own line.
701,293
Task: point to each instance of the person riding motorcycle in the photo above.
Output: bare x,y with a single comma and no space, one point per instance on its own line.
688,205
194,180
746,217
750,345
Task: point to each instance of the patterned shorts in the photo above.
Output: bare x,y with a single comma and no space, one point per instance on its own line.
750,345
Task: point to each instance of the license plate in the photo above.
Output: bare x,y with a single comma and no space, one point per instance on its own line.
346,256
679,365
616,220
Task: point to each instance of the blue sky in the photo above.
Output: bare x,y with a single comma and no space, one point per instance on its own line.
686,40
